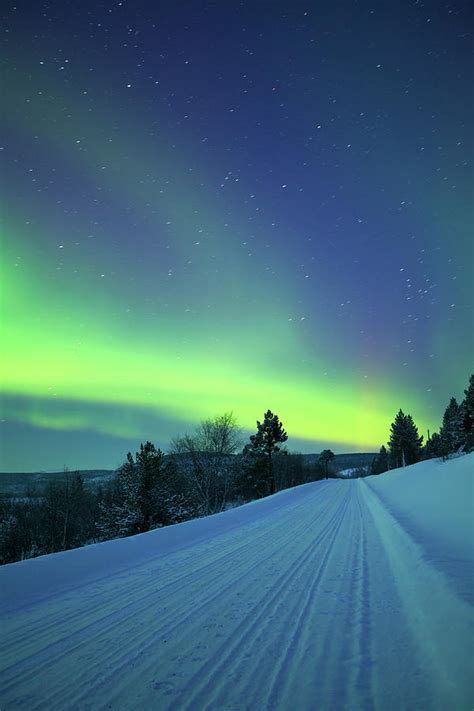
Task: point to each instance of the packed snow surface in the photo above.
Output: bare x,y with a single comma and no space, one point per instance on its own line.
334,595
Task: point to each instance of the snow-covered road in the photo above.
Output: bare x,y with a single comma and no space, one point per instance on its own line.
323,599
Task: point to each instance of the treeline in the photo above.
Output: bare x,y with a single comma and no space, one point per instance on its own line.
61,516
405,446
206,472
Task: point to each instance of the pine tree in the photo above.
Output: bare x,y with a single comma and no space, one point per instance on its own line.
451,432
467,407
252,478
145,496
269,434
434,447
405,443
414,441
325,458
397,432
148,468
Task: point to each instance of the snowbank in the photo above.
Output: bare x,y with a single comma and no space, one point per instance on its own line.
31,580
434,502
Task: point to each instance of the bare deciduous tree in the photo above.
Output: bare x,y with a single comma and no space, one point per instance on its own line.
206,456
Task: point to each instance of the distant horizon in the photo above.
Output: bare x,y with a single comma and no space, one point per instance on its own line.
294,446
51,449
76,470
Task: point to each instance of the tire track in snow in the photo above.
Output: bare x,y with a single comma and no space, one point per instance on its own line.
321,667
163,629
203,606
208,680
272,615
127,583
287,660
362,675
341,589
125,598
367,650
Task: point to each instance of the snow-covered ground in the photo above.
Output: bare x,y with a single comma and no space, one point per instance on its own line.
335,595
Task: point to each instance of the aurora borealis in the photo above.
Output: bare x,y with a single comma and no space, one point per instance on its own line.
232,206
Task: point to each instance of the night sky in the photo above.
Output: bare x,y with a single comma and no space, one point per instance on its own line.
213,206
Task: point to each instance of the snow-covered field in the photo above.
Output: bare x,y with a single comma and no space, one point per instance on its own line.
335,595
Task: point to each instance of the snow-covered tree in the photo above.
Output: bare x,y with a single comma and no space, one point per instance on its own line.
146,495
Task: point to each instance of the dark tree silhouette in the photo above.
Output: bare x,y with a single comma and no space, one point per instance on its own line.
325,458
467,407
405,443
269,434
380,462
451,432
207,461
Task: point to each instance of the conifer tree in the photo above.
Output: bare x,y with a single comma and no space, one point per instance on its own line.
269,434
383,459
468,416
325,457
451,432
434,447
252,478
405,443
145,496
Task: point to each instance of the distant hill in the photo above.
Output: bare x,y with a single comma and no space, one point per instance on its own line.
15,484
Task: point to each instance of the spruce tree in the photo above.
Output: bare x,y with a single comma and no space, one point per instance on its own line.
405,443
468,416
146,496
397,433
451,433
434,447
269,434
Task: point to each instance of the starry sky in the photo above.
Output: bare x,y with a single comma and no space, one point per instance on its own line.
240,205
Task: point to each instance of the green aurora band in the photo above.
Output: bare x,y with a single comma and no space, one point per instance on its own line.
59,346
199,330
